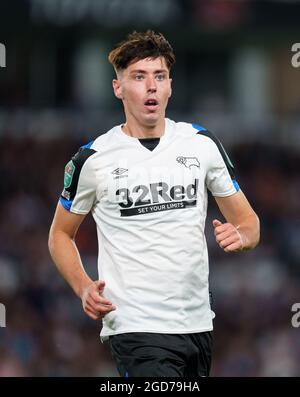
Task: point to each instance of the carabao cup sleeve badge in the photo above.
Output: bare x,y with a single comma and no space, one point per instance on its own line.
69,172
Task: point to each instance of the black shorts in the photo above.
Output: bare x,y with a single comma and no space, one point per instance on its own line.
143,354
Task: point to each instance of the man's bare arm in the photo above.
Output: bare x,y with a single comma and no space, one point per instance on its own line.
241,231
65,255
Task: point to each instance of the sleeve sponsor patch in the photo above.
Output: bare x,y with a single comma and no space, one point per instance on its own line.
72,175
69,172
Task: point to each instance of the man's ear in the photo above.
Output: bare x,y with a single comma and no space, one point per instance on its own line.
170,93
117,88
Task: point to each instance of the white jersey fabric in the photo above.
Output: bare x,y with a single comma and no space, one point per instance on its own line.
150,210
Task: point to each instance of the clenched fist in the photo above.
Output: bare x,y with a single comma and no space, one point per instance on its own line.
228,236
94,303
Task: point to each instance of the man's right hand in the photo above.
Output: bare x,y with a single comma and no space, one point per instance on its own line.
94,303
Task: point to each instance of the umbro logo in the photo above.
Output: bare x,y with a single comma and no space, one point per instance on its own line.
118,172
188,162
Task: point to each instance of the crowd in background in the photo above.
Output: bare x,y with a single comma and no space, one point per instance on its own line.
47,332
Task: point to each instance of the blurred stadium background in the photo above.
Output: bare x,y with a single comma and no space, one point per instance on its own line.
234,76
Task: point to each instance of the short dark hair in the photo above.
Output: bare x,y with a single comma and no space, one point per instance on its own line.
141,45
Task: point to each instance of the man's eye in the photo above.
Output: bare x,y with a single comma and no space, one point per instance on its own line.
138,77
160,77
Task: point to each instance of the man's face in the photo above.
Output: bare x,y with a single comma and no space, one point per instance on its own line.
145,88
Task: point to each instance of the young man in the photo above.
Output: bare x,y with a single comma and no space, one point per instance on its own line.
146,182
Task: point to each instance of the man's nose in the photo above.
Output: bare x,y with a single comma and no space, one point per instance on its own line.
151,84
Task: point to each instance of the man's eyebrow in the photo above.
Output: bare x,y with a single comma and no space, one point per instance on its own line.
145,72
161,71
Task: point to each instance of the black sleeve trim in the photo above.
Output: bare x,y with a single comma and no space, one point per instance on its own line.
227,161
78,161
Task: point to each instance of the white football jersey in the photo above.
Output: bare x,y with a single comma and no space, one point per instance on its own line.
150,210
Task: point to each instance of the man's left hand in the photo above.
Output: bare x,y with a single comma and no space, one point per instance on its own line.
227,236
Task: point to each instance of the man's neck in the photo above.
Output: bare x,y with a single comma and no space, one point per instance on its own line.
138,131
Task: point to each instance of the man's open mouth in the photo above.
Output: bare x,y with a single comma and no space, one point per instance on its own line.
151,104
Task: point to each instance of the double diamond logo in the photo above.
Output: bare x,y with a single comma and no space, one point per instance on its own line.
119,172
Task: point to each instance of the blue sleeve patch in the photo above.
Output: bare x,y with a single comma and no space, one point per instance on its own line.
66,203
236,185
88,145
198,127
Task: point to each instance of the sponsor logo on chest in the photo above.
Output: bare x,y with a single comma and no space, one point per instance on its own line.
151,189
156,197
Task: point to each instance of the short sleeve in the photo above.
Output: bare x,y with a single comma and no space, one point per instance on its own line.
220,178
79,193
